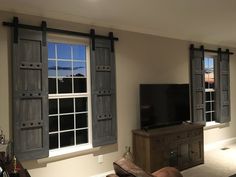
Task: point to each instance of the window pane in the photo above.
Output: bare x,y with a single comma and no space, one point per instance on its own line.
51,68
79,52
81,120
80,85
208,106
66,122
207,94
63,51
81,104
213,96
213,106
64,68
66,105
52,85
212,85
208,116
81,136
53,106
79,69
213,116
65,85
67,138
206,65
53,141
211,63
51,50
53,123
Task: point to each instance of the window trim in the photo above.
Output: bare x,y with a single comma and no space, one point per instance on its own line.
83,147
208,55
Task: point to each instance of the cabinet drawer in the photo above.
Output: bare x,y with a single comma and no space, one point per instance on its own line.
157,144
178,136
195,133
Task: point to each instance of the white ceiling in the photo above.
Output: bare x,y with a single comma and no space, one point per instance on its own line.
211,21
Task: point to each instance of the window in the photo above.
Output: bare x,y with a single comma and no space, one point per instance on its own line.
56,106
69,95
209,88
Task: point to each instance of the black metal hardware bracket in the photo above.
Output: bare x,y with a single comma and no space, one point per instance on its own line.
92,34
209,50
16,25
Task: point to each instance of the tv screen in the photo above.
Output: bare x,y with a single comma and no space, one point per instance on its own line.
163,104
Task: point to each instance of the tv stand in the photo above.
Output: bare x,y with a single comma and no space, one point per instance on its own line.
180,146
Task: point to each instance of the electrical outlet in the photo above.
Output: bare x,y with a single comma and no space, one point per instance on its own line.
100,159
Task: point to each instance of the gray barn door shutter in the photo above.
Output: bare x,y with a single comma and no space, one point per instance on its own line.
197,84
222,88
103,93
30,95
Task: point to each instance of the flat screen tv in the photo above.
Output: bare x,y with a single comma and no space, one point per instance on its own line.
163,104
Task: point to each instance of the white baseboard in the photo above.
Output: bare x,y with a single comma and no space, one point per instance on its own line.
219,144
104,174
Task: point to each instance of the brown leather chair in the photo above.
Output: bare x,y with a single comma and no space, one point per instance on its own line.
125,168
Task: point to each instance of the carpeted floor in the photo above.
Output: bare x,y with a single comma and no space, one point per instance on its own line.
218,163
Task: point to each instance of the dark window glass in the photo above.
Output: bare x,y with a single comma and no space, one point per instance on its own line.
53,106
79,52
51,50
67,138
81,136
212,85
52,86
81,104
213,116
66,105
51,68
207,96
67,122
63,51
213,106
53,141
81,120
208,116
53,123
208,106
64,68
65,85
79,69
80,85
213,96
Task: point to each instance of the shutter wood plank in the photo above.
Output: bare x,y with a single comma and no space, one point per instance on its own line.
197,85
223,88
103,94
30,96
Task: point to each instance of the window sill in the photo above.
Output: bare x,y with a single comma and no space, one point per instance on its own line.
67,153
213,124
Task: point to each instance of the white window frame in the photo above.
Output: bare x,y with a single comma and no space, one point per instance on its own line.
211,55
75,148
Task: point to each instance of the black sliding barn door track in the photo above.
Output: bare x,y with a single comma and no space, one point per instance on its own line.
15,24
208,50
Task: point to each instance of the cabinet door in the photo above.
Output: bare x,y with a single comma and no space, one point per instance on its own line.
157,153
184,155
196,151
172,156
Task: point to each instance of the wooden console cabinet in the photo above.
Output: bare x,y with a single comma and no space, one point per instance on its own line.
180,146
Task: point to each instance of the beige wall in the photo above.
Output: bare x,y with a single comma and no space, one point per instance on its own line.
139,59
